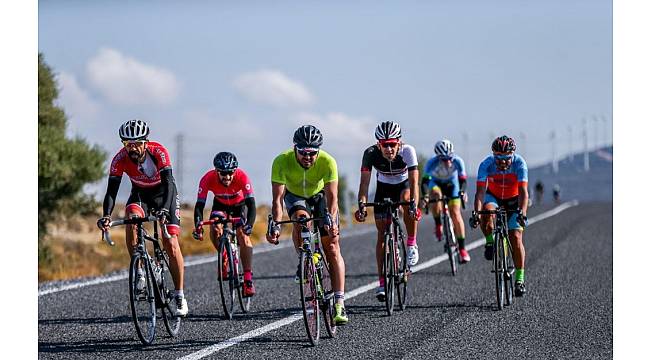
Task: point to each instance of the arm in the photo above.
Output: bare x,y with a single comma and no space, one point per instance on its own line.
111,194
424,185
478,198
523,197
363,186
198,211
276,205
167,182
331,194
251,213
414,175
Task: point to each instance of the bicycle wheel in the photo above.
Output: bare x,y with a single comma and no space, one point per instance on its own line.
389,271
450,244
142,301
498,270
509,274
401,278
171,321
309,297
244,302
327,296
227,288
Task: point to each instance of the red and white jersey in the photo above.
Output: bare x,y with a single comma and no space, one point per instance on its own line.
147,173
239,189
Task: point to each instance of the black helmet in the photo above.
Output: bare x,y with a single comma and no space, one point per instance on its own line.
388,130
503,144
134,130
308,136
225,161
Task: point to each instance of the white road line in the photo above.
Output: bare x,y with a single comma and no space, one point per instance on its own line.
353,293
204,259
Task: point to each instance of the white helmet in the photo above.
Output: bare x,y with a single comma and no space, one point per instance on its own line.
134,130
444,147
388,130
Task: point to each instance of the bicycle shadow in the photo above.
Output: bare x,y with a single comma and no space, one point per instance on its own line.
263,315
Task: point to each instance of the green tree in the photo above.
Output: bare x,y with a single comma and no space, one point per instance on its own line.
64,165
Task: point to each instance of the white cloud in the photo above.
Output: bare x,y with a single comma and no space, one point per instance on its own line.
126,81
341,129
273,88
74,99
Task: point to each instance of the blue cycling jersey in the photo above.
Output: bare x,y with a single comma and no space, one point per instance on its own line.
441,173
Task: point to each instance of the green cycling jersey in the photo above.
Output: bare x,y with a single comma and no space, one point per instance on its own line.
300,181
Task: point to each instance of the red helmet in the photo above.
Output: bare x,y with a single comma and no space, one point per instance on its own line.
503,144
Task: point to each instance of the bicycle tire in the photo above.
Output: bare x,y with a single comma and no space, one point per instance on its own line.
403,269
509,275
309,297
327,296
244,302
143,303
171,321
451,246
226,285
498,270
389,271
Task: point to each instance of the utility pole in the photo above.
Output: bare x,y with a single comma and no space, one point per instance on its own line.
595,122
586,143
180,161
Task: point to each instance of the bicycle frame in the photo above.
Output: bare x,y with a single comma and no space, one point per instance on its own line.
451,246
227,248
155,268
395,267
313,273
502,264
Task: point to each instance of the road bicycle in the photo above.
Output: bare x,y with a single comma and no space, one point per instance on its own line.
231,280
157,293
502,263
316,294
395,268
448,234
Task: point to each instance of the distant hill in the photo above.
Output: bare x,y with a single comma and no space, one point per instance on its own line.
575,183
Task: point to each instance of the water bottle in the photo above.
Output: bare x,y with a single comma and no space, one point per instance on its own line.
316,257
157,270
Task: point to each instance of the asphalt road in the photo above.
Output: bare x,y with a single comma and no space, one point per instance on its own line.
567,312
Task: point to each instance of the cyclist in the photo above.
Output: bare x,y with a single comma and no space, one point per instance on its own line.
306,177
445,174
556,193
503,181
148,165
233,196
397,178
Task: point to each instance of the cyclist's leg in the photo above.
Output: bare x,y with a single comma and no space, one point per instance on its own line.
515,236
487,221
245,244
453,192
134,207
296,207
411,226
436,209
331,246
172,247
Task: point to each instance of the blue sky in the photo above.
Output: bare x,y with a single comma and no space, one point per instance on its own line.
242,76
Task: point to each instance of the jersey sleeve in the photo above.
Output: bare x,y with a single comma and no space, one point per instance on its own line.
366,161
428,166
117,169
204,185
246,186
481,178
522,172
462,174
410,157
332,172
277,173
162,158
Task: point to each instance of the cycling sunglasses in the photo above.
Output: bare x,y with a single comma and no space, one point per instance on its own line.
226,173
307,152
444,158
503,157
388,144
133,142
